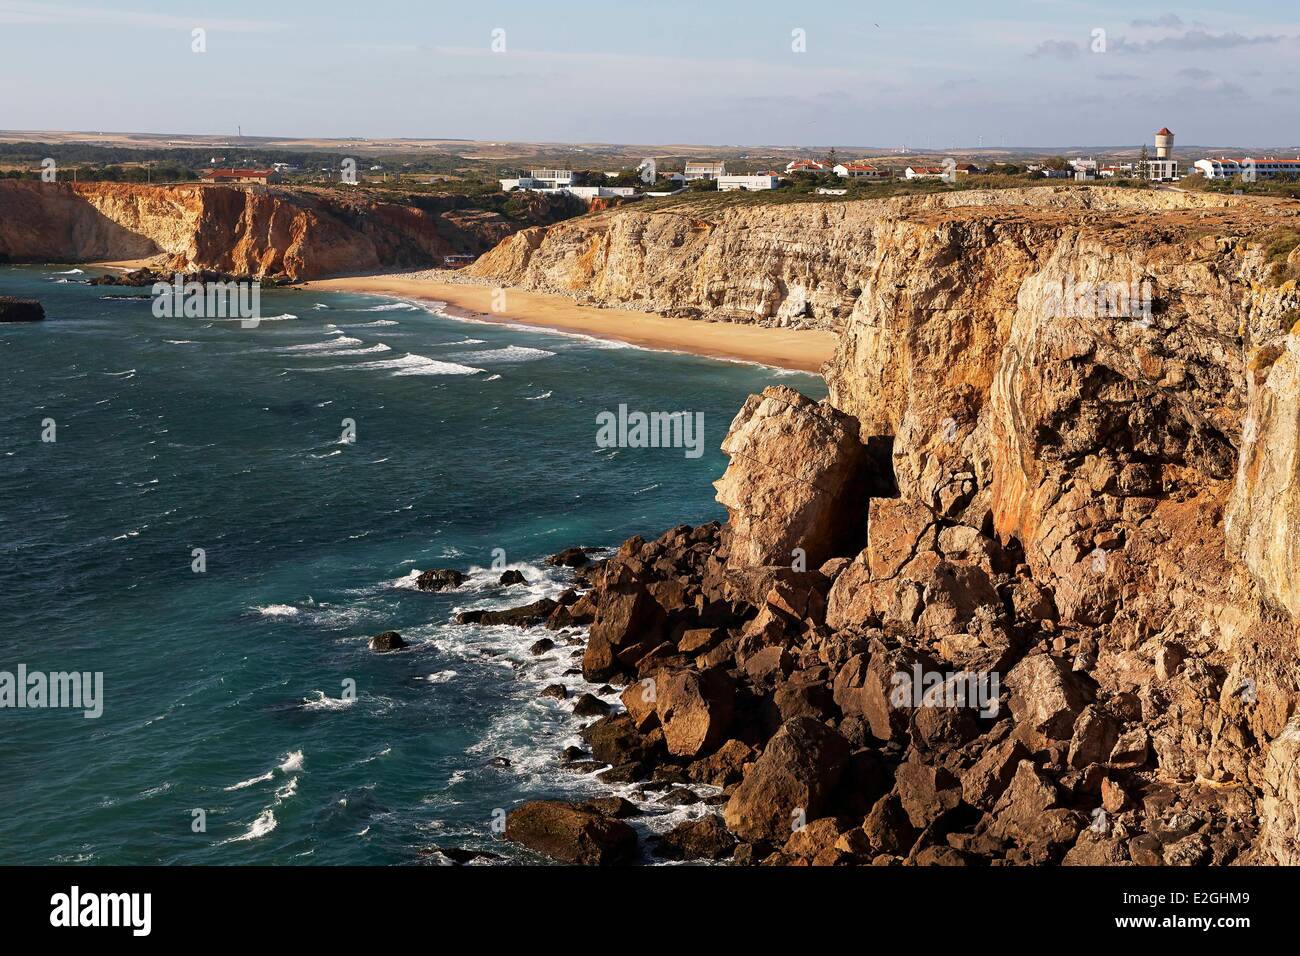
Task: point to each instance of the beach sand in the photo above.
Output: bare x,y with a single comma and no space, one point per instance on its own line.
804,350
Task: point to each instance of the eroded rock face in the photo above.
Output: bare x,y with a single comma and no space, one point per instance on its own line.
253,231
797,480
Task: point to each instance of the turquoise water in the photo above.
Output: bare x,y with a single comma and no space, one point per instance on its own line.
224,690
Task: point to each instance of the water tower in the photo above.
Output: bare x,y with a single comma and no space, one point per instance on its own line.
1164,144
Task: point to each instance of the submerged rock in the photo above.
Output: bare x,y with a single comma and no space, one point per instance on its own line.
13,309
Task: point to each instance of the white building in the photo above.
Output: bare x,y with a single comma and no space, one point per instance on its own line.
732,183
923,172
1264,168
1164,167
540,179
708,170
598,192
806,166
860,171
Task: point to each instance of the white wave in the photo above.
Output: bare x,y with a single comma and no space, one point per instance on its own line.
288,790
406,582
412,364
318,346
251,781
71,272
128,372
320,305
491,378
440,677
391,307
324,702
329,454
464,342
377,324
511,353
369,350
263,825
292,762
277,610
180,342
537,398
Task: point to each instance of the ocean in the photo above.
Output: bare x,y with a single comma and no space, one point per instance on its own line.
184,510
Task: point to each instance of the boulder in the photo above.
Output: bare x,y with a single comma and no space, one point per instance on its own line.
724,766
439,579
388,641
704,839
627,615
614,740
571,558
639,700
14,309
796,479
527,616
1045,700
792,780
571,833
589,705
695,709
512,577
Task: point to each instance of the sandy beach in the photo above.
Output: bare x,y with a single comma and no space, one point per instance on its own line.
803,350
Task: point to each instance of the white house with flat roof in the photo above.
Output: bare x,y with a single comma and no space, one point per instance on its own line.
1265,167
706,170
732,183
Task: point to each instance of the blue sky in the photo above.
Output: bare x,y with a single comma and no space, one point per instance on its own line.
943,73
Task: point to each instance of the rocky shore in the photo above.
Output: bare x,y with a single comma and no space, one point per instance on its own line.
1021,590
779,685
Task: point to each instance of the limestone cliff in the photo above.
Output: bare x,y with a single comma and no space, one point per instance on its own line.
291,233
1088,402
787,264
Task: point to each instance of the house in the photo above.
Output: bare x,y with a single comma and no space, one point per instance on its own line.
1264,168
709,170
806,166
860,171
923,172
540,180
824,191
751,183
259,176
599,192
966,169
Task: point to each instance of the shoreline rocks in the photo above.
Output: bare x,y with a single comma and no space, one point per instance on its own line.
15,309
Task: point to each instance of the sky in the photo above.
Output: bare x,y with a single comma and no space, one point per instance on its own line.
925,75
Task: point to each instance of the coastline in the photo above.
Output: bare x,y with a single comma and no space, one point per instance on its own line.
797,350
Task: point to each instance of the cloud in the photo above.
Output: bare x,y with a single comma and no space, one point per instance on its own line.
1061,49
1195,73
1118,77
1194,41
1169,21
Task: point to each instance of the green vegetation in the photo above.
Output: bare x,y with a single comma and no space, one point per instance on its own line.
1283,188
1280,244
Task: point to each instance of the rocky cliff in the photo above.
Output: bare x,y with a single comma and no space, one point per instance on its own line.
1023,588
746,260
254,231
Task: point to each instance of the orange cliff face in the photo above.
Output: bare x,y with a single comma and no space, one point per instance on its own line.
252,231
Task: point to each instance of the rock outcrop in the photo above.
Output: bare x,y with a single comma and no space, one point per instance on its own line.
13,309
292,233
1066,631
